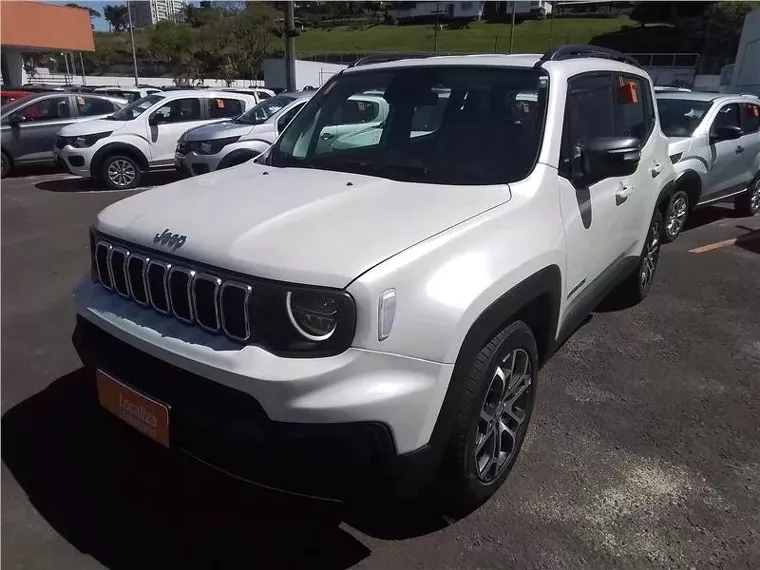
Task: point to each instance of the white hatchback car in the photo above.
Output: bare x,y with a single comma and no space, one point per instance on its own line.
143,135
715,148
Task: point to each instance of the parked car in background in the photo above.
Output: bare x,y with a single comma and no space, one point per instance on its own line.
30,124
715,148
211,147
129,93
143,135
667,88
8,95
261,93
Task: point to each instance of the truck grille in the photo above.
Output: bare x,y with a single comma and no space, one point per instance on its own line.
191,296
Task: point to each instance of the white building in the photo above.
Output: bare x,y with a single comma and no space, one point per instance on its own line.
148,12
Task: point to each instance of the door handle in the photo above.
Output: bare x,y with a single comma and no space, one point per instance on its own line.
624,190
327,136
656,169
739,149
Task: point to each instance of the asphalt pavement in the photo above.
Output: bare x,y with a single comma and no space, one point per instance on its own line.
643,450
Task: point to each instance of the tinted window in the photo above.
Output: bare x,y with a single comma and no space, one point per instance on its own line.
728,116
46,110
589,113
134,110
261,112
179,111
89,106
635,108
286,117
220,108
478,139
681,117
750,117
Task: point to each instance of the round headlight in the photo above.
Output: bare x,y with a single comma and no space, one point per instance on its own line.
313,315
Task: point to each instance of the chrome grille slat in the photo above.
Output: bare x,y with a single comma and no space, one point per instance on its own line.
147,281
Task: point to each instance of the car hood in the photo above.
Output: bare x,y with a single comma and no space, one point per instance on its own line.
217,131
291,224
91,127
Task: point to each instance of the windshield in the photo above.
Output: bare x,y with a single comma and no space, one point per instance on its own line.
134,110
680,117
258,114
439,125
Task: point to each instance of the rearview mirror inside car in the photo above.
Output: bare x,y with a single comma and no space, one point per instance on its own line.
607,157
726,133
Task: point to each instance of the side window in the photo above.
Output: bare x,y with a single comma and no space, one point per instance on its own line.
286,117
728,116
179,111
634,108
589,113
750,118
355,112
90,106
224,108
46,110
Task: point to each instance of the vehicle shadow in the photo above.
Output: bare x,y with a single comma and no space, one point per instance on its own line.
131,504
72,185
708,215
749,241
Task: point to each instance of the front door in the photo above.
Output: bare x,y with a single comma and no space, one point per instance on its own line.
726,173
591,209
30,132
169,122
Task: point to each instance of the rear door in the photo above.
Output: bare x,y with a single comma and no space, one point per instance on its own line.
727,170
32,139
89,107
750,118
167,123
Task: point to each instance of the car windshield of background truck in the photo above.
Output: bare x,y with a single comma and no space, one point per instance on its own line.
134,110
258,114
441,125
681,117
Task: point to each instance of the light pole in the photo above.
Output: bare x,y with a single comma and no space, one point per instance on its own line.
512,30
290,46
132,38
435,32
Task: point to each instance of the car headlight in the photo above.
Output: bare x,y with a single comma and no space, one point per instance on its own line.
313,315
88,140
215,146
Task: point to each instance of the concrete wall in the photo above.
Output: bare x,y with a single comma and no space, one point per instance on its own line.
121,81
313,73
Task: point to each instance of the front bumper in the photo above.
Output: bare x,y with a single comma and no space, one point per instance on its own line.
337,427
195,164
76,160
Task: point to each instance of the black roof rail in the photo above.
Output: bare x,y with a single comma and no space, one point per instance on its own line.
561,53
386,57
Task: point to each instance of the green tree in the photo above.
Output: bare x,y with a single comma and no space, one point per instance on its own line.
93,13
117,17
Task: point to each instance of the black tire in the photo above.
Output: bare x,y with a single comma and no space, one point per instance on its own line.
675,216
6,164
748,204
114,164
465,485
638,284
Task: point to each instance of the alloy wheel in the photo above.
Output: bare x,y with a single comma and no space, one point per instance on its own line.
676,216
651,255
502,416
121,172
754,197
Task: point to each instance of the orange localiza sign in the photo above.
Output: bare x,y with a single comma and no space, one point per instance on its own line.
37,26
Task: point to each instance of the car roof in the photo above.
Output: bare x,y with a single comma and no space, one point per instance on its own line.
210,93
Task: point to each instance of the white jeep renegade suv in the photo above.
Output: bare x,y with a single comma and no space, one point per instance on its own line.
364,319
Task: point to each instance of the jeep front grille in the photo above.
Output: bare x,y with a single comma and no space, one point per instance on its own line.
192,296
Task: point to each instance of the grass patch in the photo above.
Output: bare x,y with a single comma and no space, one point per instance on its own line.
531,36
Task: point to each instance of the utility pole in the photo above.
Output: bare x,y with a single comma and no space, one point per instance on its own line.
290,46
132,38
551,26
512,30
68,72
435,32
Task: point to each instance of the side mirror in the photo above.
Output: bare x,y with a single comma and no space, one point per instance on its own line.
15,119
726,133
154,120
607,157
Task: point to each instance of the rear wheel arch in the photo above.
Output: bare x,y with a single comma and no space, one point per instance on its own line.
536,302
117,148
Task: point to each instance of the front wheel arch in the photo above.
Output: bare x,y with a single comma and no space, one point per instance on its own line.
117,148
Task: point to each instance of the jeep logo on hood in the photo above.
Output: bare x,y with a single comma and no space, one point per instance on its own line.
174,241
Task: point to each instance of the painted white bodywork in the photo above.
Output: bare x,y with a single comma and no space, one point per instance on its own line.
448,251
721,170
157,143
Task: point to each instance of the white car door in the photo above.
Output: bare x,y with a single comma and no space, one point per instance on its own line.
167,123
591,209
726,170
